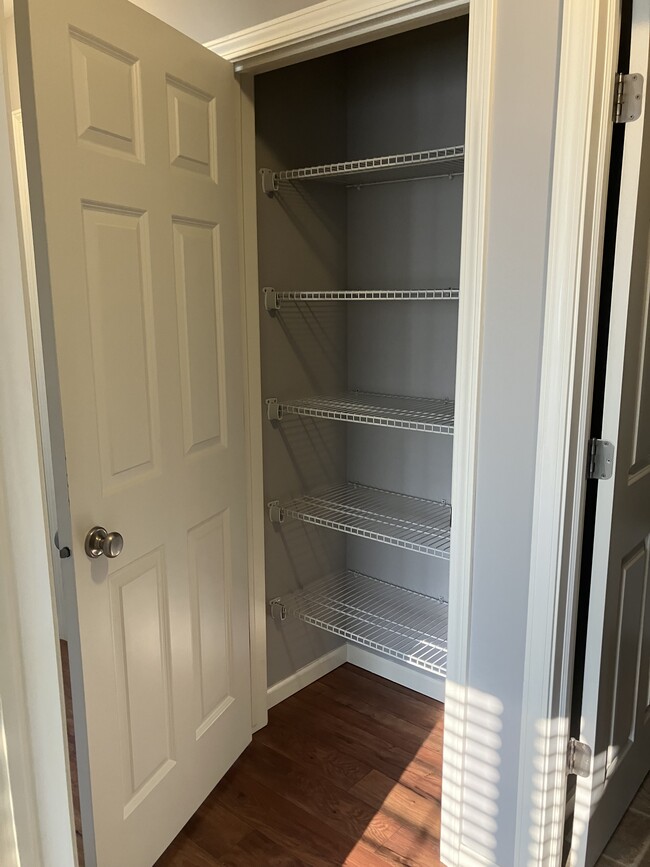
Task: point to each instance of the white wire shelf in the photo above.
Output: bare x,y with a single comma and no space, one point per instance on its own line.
394,519
419,165
400,623
384,410
274,297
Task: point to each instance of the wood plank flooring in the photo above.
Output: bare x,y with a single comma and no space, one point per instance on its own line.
347,772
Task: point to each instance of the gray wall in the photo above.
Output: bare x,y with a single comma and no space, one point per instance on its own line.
406,93
302,244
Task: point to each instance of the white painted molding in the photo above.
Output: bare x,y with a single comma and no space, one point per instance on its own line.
306,675
430,685
426,684
33,743
581,160
339,23
253,408
478,134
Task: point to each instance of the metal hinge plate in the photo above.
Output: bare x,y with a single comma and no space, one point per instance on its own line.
601,460
628,97
578,758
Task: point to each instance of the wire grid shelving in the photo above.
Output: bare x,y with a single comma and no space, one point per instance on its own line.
385,410
400,623
274,297
400,520
418,165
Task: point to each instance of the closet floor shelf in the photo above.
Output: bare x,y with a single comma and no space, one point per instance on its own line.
395,519
400,623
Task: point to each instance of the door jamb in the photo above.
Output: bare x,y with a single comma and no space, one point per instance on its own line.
33,758
590,37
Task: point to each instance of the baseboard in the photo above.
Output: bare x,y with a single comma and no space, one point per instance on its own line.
427,684
430,685
306,675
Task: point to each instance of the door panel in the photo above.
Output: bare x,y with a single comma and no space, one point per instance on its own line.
132,155
628,688
197,261
615,717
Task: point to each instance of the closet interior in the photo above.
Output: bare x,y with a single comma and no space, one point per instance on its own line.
360,159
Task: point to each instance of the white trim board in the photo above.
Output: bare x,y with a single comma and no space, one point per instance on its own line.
473,275
427,684
330,25
581,159
306,675
431,685
33,754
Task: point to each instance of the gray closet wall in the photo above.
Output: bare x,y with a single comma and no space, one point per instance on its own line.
400,94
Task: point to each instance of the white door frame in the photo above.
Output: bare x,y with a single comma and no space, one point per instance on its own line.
576,240
33,743
590,42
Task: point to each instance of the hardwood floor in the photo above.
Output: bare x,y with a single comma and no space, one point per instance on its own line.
347,772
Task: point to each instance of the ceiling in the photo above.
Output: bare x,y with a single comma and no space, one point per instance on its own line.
205,20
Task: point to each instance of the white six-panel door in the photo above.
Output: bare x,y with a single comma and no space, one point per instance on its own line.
135,128
616,699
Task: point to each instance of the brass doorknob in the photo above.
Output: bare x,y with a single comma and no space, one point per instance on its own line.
100,542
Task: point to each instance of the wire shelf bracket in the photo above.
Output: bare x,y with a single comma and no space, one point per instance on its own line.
418,165
400,520
273,298
400,623
383,410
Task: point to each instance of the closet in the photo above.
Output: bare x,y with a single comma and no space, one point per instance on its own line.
360,162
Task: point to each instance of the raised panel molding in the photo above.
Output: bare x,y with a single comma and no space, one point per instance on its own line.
197,266
641,447
120,304
628,690
107,99
139,601
208,548
192,128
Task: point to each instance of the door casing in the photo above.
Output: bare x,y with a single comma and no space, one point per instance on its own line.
590,43
559,354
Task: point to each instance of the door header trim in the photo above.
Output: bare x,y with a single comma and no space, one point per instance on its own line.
325,26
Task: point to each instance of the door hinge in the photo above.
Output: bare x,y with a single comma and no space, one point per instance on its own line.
601,459
628,93
578,758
